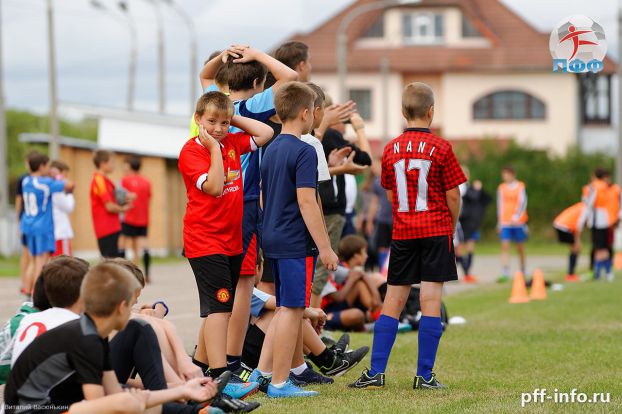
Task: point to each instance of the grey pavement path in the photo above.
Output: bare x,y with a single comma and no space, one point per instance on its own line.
174,283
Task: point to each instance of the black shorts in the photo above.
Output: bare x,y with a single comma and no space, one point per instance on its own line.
217,277
565,236
133,231
429,259
382,238
109,245
600,238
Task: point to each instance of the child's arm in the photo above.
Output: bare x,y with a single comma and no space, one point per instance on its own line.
207,74
261,132
314,221
282,73
358,125
215,181
352,279
453,202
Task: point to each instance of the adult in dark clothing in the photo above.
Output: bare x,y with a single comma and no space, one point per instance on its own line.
474,203
343,158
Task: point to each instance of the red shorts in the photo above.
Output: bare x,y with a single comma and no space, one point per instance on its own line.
63,247
250,259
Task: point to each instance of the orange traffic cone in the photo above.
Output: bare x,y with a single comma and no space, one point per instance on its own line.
538,288
617,261
519,290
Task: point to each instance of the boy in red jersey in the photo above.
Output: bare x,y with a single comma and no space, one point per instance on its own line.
136,220
104,207
421,175
211,169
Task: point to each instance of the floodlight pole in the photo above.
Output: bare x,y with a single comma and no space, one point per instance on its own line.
4,169
53,116
619,152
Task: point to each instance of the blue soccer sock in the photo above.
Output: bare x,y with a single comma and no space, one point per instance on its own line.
598,265
607,264
469,263
385,331
430,331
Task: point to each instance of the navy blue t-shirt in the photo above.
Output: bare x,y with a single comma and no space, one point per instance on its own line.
287,164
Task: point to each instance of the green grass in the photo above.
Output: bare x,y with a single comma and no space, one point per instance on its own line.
571,340
9,266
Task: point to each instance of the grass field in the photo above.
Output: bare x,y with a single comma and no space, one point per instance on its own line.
571,340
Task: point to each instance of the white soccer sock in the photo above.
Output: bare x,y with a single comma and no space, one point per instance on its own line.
281,385
300,369
265,374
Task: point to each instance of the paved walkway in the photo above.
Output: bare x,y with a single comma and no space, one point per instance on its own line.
175,284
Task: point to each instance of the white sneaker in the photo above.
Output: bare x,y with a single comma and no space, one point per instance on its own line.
610,277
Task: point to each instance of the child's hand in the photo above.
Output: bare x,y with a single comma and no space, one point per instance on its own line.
350,167
248,55
336,114
329,258
200,389
338,156
233,52
208,141
69,186
357,121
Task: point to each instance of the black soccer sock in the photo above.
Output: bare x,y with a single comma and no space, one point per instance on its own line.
146,262
468,264
216,372
200,364
572,263
325,360
233,362
252,346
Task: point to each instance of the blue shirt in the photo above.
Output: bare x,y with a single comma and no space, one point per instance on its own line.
261,108
37,194
288,164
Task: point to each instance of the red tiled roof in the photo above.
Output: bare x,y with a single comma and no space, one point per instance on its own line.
515,44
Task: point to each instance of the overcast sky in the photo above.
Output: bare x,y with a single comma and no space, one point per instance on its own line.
92,46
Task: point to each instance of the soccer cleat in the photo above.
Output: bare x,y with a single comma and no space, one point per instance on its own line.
431,384
609,276
231,405
342,343
327,339
260,379
404,327
236,388
503,279
345,361
572,278
289,390
244,372
469,279
365,381
308,377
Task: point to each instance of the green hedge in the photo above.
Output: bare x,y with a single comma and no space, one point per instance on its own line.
553,182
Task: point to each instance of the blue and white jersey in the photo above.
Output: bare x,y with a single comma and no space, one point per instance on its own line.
38,212
261,108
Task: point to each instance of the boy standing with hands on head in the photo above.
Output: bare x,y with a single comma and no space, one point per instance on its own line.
421,175
294,230
211,169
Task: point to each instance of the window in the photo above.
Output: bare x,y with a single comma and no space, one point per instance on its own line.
376,30
509,105
595,98
423,28
362,98
468,30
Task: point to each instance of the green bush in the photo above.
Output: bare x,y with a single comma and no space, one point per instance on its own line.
22,121
553,182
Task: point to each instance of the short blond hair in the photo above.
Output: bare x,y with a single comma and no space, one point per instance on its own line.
106,286
214,101
417,99
292,98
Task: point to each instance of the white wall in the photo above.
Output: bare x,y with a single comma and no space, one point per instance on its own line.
372,81
559,92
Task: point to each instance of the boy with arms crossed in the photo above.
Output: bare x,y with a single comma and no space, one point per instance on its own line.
421,175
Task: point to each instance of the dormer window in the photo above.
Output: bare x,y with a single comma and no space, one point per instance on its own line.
376,31
468,30
423,28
